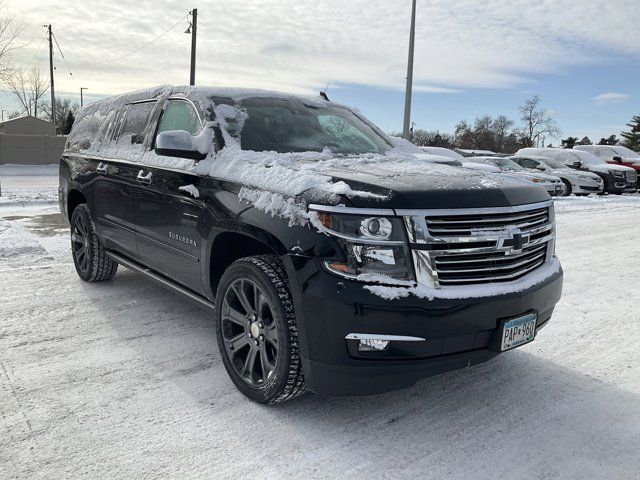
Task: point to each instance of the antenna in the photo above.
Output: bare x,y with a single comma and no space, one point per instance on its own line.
323,93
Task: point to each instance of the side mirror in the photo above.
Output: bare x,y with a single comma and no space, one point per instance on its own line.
576,164
178,143
617,159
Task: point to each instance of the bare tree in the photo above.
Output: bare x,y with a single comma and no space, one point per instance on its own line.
29,86
502,128
537,122
9,33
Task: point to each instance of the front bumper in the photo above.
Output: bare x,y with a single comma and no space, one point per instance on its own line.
458,333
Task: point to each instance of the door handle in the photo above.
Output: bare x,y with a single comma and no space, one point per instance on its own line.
144,178
102,168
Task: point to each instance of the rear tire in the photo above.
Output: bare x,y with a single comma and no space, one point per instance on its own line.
256,330
567,188
89,258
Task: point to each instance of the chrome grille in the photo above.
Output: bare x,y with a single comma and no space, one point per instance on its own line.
631,177
479,246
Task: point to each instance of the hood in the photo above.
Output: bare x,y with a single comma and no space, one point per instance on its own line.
543,176
606,167
403,186
581,174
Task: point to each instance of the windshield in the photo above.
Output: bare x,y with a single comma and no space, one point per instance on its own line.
507,165
556,164
293,125
626,152
586,158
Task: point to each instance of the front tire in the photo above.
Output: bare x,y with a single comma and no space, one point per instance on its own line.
89,258
567,188
256,330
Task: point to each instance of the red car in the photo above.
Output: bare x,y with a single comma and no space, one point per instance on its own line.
615,154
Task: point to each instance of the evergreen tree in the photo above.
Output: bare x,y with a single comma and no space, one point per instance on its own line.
68,123
569,142
632,137
585,141
610,140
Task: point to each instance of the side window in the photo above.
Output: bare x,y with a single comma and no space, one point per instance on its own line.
134,126
83,133
528,163
180,115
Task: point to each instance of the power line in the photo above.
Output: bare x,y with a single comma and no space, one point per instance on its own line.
64,59
145,45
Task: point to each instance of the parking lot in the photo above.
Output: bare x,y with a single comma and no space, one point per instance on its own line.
123,379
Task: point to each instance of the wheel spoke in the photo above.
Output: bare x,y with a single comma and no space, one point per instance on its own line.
242,297
80,252
267,366
233,315
271,333
239,341
250,361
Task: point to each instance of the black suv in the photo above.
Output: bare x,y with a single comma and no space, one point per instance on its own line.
332,258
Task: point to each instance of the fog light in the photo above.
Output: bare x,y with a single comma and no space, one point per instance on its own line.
373,345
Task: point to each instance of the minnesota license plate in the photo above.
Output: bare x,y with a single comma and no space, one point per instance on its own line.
518,331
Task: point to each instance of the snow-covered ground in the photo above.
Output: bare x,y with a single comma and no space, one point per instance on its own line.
123,380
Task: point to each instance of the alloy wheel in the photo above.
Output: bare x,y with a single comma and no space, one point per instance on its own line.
80,243
250,332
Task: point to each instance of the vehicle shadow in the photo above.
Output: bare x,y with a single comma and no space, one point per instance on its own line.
519,415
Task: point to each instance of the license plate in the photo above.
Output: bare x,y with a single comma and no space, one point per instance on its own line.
518,331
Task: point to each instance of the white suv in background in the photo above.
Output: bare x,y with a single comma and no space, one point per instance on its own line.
617,178
575,181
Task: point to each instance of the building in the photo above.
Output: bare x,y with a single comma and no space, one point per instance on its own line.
27,126
29,141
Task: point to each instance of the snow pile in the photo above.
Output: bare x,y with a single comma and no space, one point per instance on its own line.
190,189
17,242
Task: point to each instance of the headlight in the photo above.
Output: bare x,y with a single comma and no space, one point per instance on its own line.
536,180
368,245
616,173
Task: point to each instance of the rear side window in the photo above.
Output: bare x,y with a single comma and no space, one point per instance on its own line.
180,115
83,133
134,124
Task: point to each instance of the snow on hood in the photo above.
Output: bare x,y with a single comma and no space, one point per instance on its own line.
606,167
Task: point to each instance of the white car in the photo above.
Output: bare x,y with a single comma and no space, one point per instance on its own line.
407,147
575,181
444,152
467,152
552,184
617,178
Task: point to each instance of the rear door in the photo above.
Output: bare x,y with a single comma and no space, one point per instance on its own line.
169,210
117,192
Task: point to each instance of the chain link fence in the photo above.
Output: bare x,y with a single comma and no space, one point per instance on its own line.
29,182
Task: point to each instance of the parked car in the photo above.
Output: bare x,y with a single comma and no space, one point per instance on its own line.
466,152
444,152
329,261
552,184
617,178
420,153
615,154
575,181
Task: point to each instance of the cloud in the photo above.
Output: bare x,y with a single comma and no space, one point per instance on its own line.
611,97
300,45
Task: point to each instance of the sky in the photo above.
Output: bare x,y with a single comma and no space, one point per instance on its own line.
471,57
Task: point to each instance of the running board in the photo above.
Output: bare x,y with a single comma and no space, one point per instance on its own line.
162,280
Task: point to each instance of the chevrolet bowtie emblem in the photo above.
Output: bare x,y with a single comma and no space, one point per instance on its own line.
514,239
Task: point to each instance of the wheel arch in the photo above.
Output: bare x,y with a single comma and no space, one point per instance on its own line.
74,198
229,246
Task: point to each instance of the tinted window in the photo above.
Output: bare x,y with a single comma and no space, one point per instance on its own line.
179,115
528,163
134,124
84,132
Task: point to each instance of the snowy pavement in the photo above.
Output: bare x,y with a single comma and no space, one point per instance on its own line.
123,380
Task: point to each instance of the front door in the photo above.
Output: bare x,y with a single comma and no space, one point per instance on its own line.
170,209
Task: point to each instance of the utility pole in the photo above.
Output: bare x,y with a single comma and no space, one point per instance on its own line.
407,99
3,115
81,98
53,95
194,29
